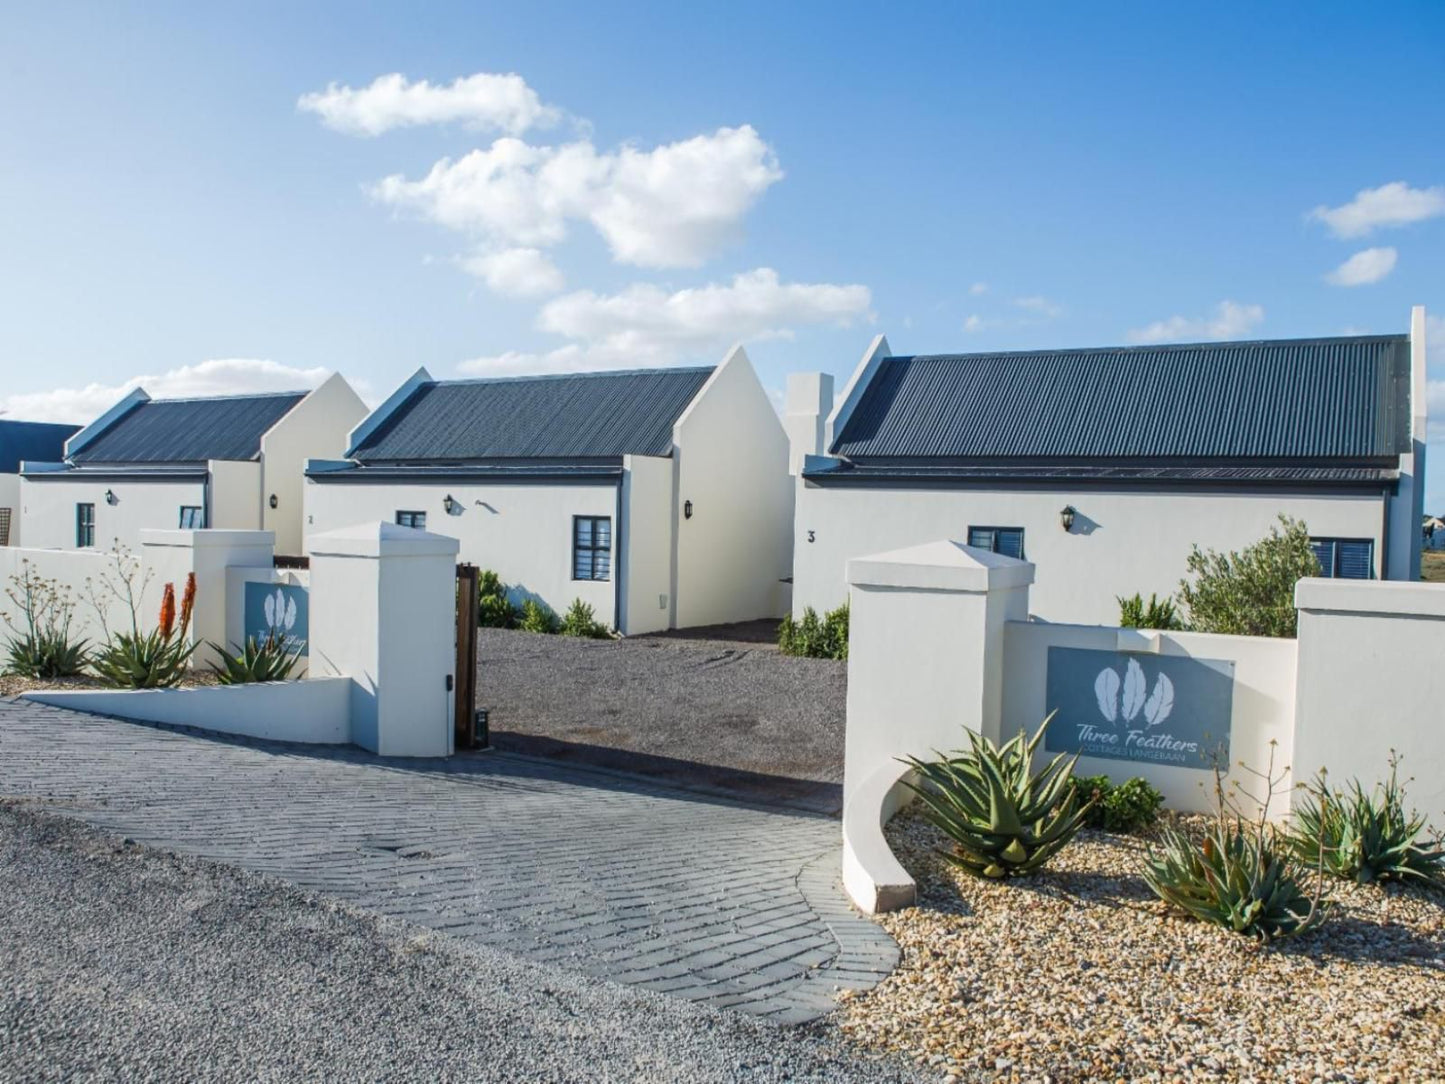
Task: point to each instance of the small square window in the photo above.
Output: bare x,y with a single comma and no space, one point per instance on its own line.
411,519
591,547
84,526
1008,541
192,517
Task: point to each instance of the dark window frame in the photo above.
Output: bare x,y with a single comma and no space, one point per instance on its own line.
85,525
591,549
994,533
1334,571
407,517
200,517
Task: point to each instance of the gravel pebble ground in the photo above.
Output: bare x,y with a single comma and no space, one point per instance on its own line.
11,685
123,963
1082,974
700,703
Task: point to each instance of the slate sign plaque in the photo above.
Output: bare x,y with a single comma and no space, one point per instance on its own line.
279,608
1163,709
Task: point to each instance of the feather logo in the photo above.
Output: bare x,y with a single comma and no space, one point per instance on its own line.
270,612
1106,691
1135,686
1160,702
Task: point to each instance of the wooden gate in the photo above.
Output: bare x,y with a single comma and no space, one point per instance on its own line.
465,685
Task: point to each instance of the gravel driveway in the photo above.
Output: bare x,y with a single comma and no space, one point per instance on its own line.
725,714
122,963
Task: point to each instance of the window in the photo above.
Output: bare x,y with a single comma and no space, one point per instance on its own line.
411,519
192,518
1008,541
84,525
1345,558
591,547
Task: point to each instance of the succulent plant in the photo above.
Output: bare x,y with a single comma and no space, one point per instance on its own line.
1365,837
1003,818
271,659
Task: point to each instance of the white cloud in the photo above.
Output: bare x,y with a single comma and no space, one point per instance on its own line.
1394,204
975,323
222,376
1364,267
516,272
671,206
502,103
1041,305
978,288
645,325
1231,320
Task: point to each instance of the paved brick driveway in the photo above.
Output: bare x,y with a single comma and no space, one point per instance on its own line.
596,872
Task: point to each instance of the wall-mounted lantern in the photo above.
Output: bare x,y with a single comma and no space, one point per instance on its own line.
273,502
687,509
450,504
1066,516
110,497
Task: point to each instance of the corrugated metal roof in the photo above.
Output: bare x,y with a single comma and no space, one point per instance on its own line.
839,471
1344,398
190,430
582,415
39,442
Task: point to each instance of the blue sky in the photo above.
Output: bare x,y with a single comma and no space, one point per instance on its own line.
654,184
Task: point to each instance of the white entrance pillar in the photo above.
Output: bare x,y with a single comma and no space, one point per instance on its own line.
383,613
925,661
169,556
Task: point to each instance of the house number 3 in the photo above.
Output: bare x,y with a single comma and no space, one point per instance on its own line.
810,536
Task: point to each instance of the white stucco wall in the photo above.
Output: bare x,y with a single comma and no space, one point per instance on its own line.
49,510
235,497
733,466
316,428
648,517
1121,542
10,498
81,574
521,532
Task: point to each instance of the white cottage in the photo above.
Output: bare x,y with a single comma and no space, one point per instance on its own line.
232,462
659,497
20,441
1104,466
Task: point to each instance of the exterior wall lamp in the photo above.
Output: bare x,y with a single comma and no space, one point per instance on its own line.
1066,516
449,503
273,502
687,509
110,497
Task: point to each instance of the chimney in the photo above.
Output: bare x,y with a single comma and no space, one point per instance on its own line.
810,401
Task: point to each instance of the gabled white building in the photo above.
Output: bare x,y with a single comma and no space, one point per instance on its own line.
659,497
1104,467
232,462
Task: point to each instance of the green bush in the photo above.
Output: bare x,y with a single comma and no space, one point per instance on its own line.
1365,837
495,609
537,617
1251,592
42,646
1157,613
580,620
1131,806
1004,819
814,637
269,660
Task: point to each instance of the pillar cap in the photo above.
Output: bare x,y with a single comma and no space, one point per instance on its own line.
382,539
207,538
941,566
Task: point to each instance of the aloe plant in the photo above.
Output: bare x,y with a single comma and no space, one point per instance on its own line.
272,659
1004,819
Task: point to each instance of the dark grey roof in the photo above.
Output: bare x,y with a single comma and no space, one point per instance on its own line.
1343,399
843,472
189,430
584,415
39,442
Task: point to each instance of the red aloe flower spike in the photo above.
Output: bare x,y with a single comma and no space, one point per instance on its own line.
168,611
188,602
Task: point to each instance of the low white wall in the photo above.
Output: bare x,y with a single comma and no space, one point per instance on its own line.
82,574
521,532
315,711
1262,709
1371,681
1121,543
49,509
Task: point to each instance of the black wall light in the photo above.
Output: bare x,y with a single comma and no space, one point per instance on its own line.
449,503
687,509
273,502
110,497
1066,516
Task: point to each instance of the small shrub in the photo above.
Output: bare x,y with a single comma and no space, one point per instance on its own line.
269,660
537,617
1239,875
154,660
814,637
1250,593
1157,613
1131,806
495,609
42,646
580,621
1004,819
1365,837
